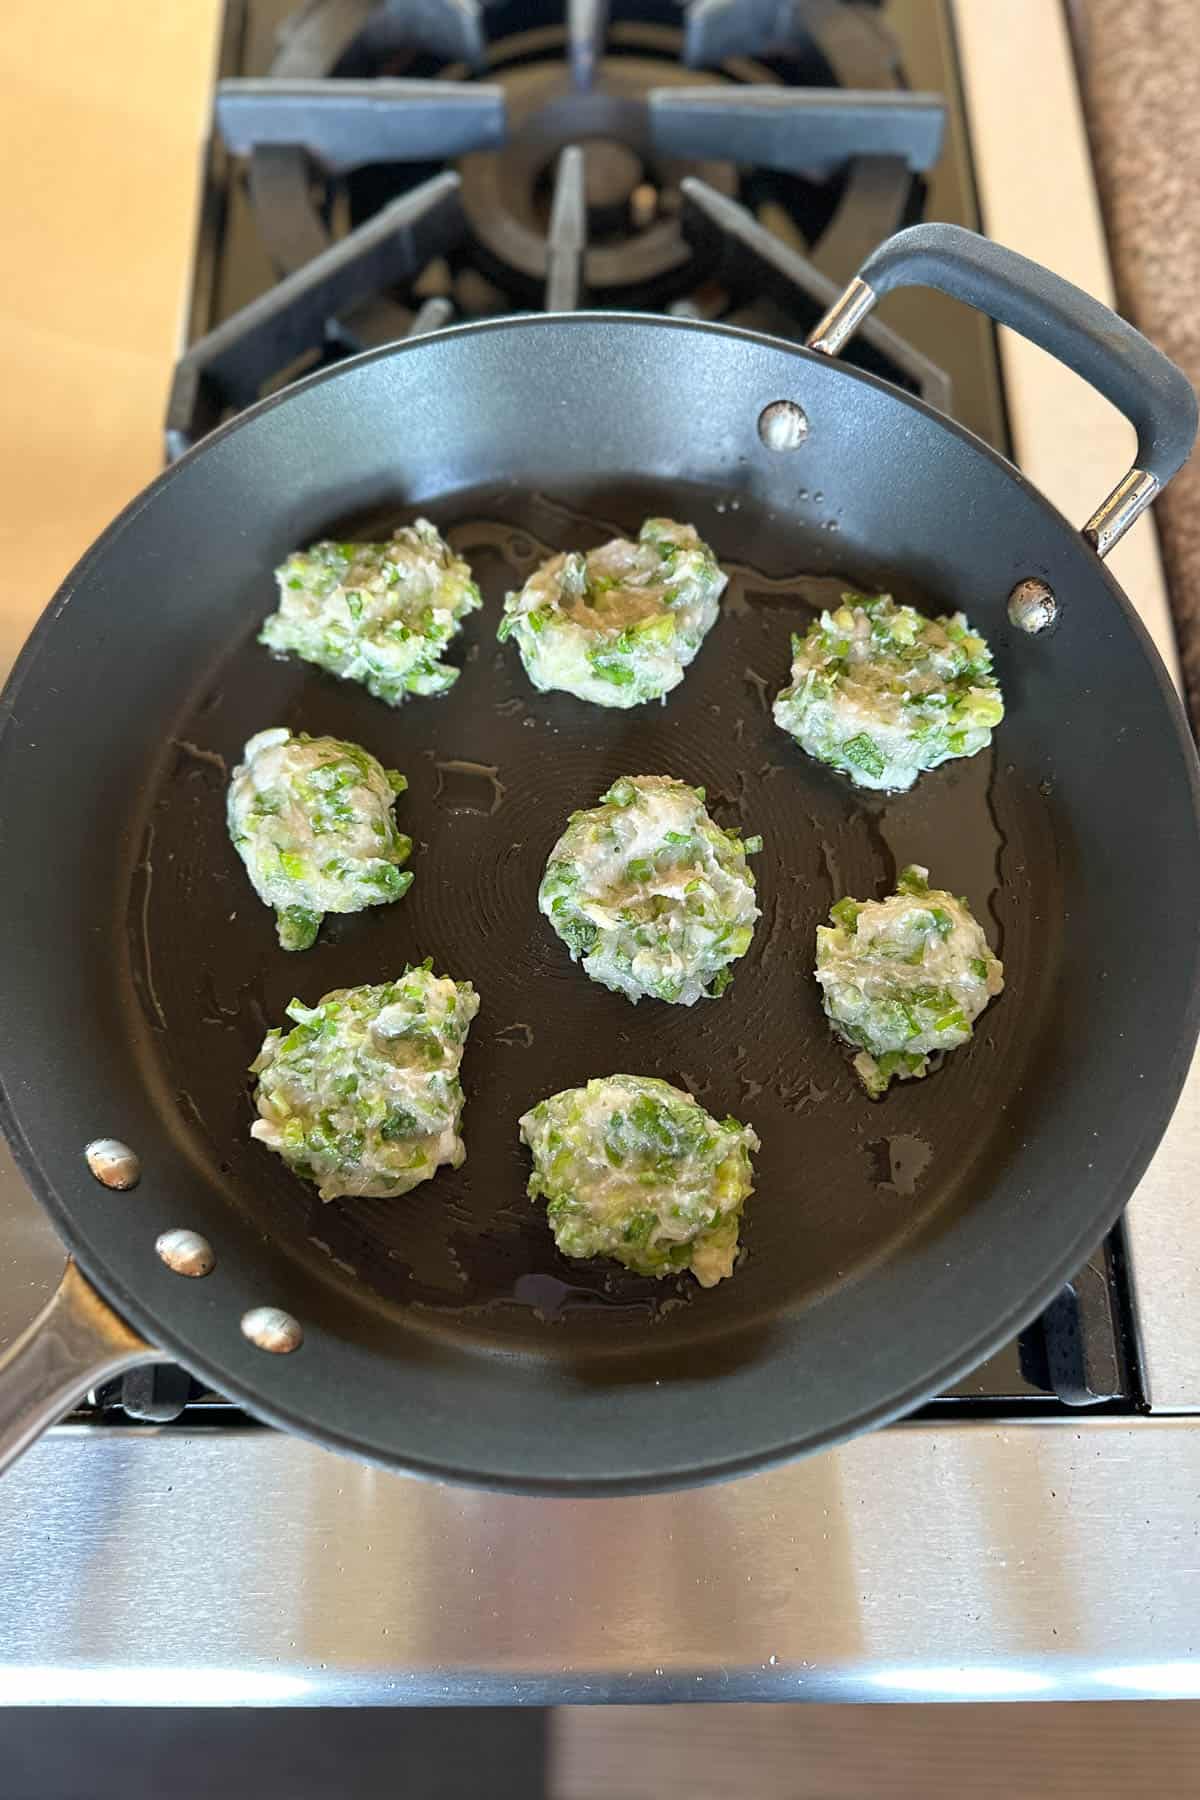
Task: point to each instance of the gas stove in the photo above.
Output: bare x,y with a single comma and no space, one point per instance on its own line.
385,167
381,170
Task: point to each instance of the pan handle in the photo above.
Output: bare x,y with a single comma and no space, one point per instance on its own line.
1141,382
76,1341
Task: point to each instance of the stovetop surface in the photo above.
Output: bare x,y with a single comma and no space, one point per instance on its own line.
844,172
734,161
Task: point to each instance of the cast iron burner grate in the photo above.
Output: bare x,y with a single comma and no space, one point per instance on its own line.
727,159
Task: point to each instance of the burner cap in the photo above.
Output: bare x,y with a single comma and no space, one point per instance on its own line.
635,244
637,151
612,174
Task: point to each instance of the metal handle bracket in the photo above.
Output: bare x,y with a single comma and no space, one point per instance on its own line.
76,1341
1106,350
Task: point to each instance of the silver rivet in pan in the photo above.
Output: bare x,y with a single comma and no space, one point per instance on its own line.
113,1163
1032,606
186,1252
269,1328
782,425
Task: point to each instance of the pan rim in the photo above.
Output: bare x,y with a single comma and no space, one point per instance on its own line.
1119,1187
522,322
895,1408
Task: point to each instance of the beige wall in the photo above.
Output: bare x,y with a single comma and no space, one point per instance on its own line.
103,110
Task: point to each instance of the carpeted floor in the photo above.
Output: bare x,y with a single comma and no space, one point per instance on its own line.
796,1752
1006,1752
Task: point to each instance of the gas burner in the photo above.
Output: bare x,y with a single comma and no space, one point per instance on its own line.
417,161
799,110
636,254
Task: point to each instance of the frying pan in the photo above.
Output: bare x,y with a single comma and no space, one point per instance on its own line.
888,1246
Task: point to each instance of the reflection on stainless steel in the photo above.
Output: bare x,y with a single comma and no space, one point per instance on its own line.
113,1163
76,1342
186,1252
782,426
843,319
1032,1560
47,1684
1032,606
1113,517
31,1253
272,1329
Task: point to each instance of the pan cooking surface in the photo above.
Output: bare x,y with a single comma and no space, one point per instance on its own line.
494,769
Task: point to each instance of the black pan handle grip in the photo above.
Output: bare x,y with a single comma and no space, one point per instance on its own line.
1141,382
75,1342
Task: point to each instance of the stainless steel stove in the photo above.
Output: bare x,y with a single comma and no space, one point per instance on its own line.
381,170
